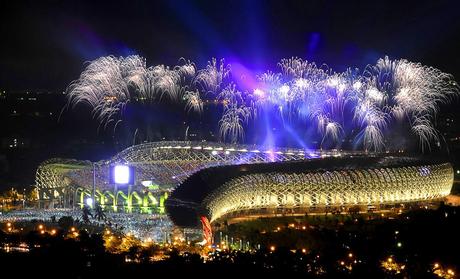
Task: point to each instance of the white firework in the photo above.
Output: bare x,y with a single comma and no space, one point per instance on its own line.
211,78
193,101
103,86
373,138
332,130
407,90
296,68
187,70
230,95
389,93
232,122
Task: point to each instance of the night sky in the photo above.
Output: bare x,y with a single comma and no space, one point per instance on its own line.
44,44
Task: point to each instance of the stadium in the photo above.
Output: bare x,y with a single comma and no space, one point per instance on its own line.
316,186
158,168
187,180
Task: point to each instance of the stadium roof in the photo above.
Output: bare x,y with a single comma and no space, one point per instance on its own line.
185,202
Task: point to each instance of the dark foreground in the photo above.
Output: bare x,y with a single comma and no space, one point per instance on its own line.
418,244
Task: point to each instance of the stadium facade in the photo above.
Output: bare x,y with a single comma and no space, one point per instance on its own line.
159,167
188,180
316,186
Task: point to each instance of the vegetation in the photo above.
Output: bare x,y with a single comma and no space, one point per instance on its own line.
419,244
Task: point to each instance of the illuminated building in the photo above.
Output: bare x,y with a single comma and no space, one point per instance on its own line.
241,181
313,186
159,167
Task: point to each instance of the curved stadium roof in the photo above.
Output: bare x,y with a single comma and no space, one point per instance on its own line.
217,191
165,163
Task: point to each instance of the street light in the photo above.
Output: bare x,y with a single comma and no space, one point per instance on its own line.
89,202
93,192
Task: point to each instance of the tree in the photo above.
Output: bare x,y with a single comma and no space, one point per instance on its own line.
99,213
65,222
127,242
85,214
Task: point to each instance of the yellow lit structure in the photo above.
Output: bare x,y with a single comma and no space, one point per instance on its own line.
316,186
159,165
310,191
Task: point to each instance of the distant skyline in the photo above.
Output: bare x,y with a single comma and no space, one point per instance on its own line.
45,43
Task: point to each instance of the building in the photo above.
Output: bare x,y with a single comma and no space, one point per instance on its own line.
159,167
224,182
316,186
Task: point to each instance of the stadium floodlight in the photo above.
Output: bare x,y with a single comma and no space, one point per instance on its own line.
121,175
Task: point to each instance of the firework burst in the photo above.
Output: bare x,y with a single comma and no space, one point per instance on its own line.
363,106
